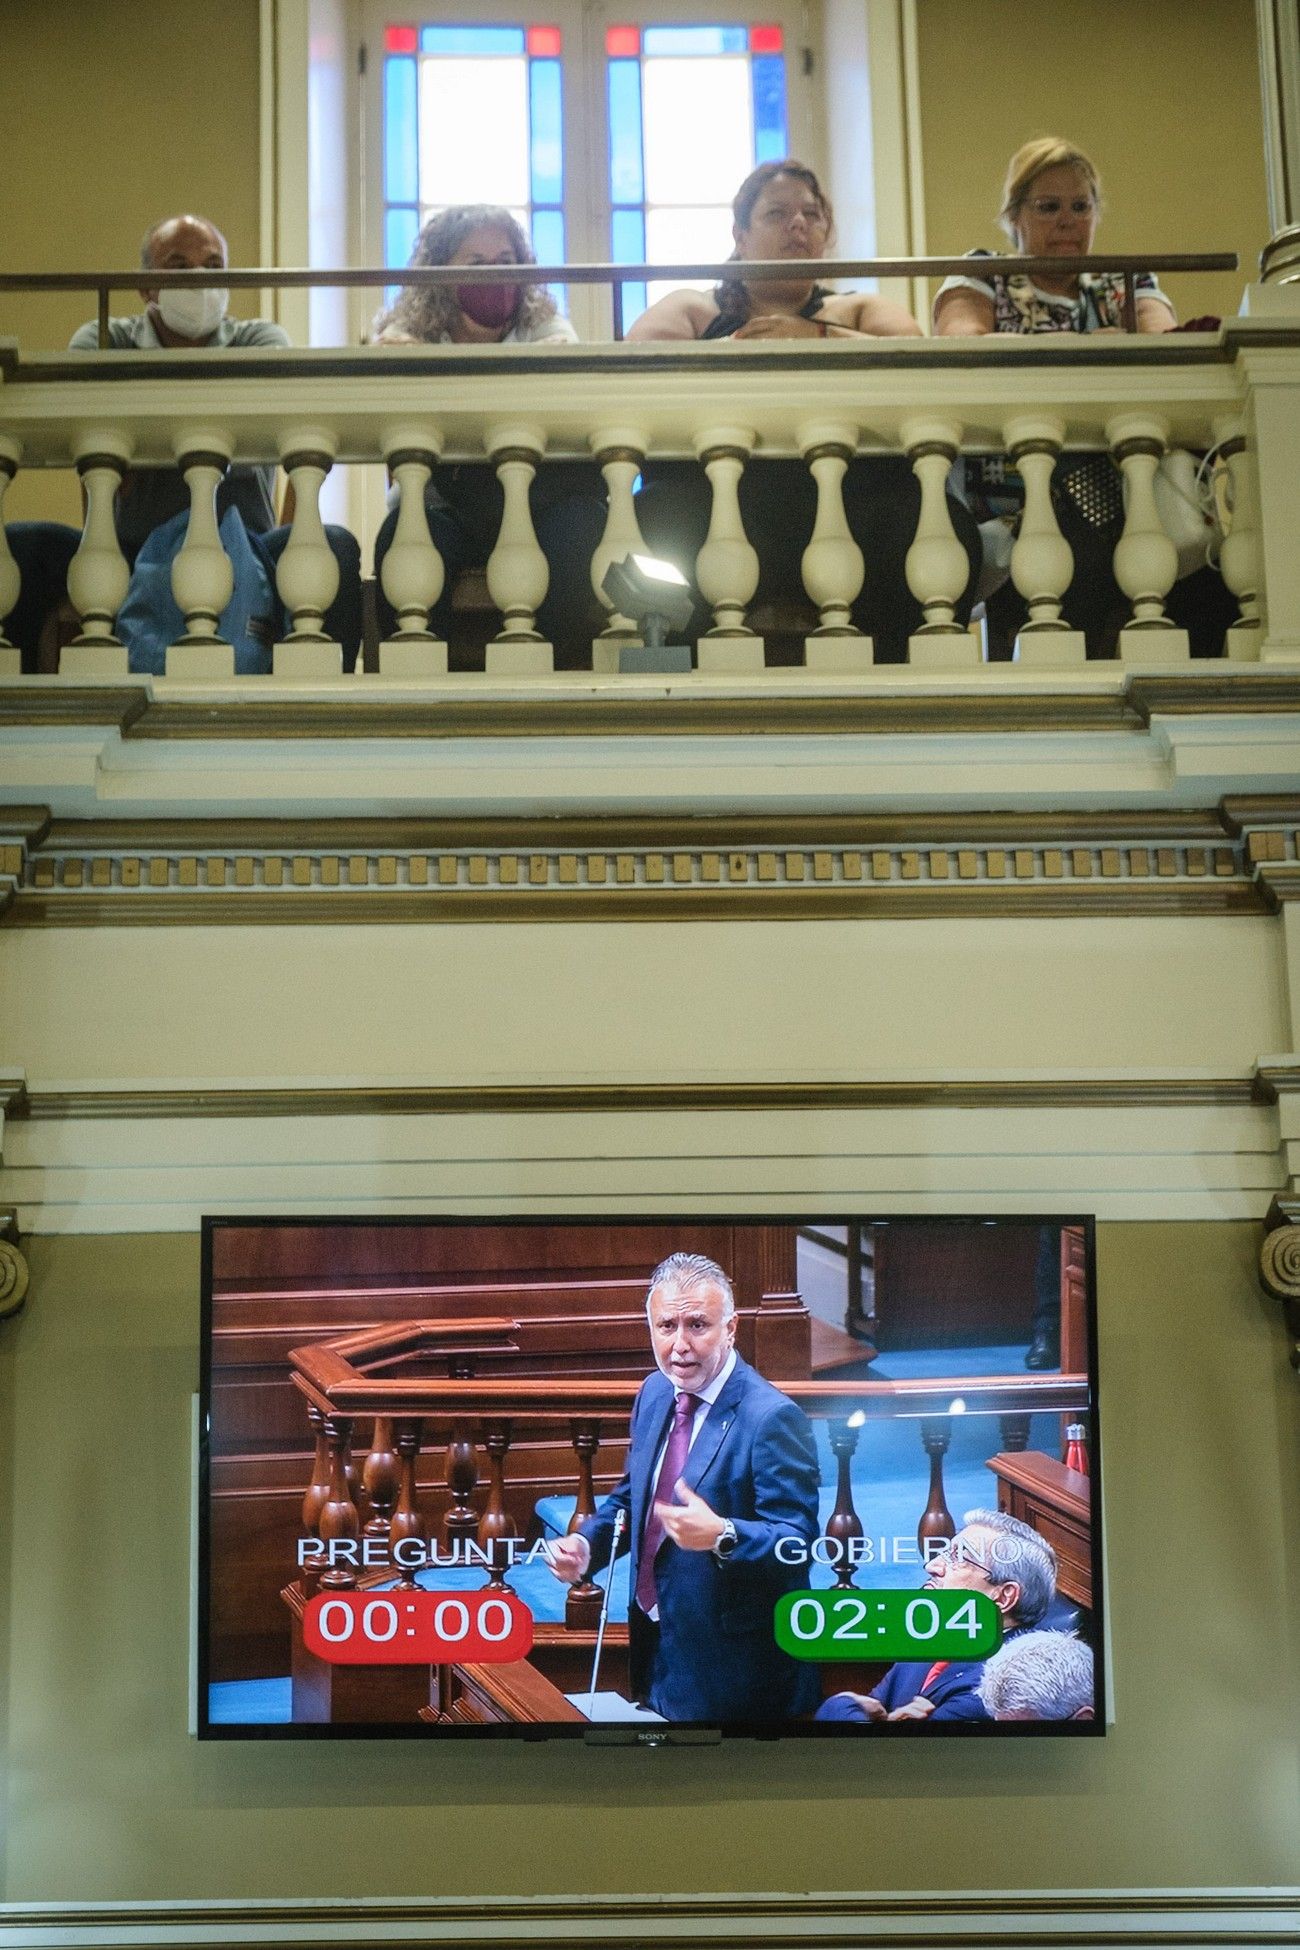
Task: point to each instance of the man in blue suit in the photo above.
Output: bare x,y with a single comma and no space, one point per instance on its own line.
994,1553
721,1467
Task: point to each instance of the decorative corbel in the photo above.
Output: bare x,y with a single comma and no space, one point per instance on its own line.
1277,1081
1279,1264
14,1272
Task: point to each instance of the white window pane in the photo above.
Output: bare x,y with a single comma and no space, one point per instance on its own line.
687,237
699,129
473,131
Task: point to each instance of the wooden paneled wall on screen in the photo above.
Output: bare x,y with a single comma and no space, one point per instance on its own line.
531,1300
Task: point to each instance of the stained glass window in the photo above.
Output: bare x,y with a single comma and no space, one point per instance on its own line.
691,111
473,114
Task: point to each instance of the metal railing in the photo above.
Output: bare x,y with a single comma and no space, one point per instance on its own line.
272,277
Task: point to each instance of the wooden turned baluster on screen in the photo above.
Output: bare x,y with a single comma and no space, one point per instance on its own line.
496,1524
406,1520
317,1495
380,1478
582,1605
936,1519
461,1521
1014,1429
339,1517
845,1525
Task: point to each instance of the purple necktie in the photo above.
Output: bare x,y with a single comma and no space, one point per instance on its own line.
674,1462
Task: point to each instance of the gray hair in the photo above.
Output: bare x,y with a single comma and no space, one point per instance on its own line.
155,231
685,1271
1018,1555
1040,1676
425,312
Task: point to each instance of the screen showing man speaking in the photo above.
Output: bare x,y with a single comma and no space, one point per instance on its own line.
832,1477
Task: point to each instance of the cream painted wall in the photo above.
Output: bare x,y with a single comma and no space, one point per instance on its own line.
1163,95
649,1000
108,1798
116,113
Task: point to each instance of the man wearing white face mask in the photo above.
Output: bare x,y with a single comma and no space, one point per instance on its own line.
198,320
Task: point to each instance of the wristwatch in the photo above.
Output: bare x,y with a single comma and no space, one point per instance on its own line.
726,1544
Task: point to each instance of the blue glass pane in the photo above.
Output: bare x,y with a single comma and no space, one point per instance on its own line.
627,246
400,151
626,172
634,303
627,237
472,40
548,246
548,236
546,116
769,107
695,40
400,230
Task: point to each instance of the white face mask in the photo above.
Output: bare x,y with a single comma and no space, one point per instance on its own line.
192,314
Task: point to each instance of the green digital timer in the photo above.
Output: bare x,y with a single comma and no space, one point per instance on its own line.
828,1625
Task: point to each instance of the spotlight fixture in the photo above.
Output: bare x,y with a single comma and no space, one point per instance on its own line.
656,595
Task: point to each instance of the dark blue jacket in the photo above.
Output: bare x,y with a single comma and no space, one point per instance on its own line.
714,1657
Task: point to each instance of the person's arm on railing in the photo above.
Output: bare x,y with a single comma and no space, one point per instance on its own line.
679,315
963,313
1155,315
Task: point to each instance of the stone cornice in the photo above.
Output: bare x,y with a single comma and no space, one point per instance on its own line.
1171,1918
551,1099
1239,859
771,705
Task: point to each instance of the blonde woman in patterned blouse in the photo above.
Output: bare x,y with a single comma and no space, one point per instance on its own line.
1050,206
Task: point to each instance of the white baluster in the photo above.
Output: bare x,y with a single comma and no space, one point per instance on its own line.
937,565
620,452
1239,555
832,565
98,575
1146,561
726,568
1042,563
413,573
307,575
203,580
10,576
517,572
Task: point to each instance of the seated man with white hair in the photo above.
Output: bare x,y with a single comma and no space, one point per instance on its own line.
993,1553
1039,1676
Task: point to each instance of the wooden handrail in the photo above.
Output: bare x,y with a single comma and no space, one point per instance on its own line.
332,1385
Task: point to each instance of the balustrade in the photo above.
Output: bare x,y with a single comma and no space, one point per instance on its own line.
816,409
203,580
620,453
833,565
1146,561
496,1416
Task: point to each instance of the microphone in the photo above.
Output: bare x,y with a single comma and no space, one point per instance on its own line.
620,1518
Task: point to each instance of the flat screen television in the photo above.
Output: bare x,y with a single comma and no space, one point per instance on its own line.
649,1479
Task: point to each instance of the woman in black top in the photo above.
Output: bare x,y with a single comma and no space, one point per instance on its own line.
781,211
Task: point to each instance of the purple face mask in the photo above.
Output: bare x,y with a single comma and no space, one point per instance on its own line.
490,305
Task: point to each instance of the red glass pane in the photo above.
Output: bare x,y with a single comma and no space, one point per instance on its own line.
765,40
543,40
622,40
399,40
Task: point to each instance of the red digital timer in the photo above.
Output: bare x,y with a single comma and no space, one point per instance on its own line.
417,1628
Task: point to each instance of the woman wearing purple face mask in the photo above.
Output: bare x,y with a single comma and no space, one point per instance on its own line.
463,502
469,313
